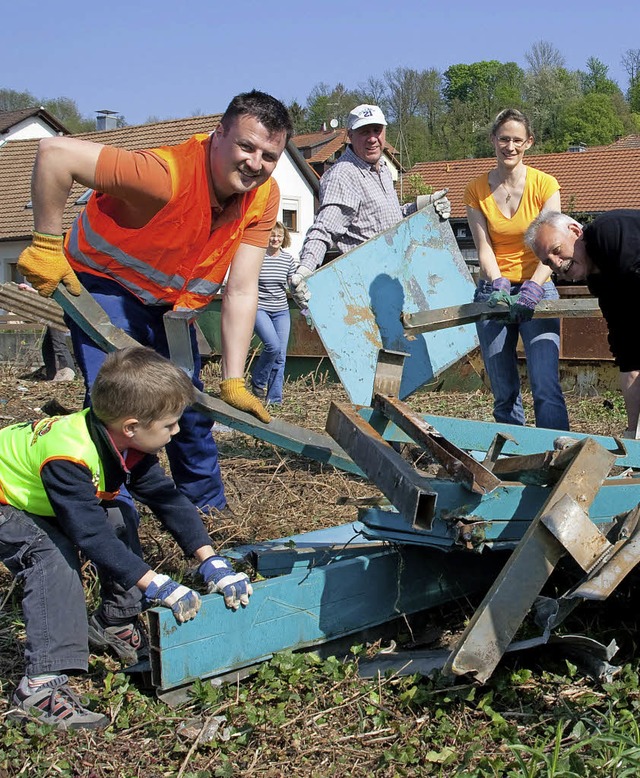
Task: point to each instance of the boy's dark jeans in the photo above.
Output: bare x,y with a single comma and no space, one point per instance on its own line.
47,563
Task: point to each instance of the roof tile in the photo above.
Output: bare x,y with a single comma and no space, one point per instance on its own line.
592,181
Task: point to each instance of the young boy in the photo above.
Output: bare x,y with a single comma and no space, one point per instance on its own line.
58,480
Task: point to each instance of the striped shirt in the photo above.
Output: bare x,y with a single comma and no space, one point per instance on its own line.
273,282
357,202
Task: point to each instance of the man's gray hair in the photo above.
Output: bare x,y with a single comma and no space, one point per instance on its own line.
553,219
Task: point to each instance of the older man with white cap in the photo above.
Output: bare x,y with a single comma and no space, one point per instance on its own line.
357,198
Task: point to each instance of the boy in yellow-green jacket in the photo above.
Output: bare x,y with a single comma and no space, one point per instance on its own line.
58,480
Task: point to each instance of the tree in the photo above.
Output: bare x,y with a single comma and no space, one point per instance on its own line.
298,116
325,103
543,56
549,86
10,100
486,87
631,63
596,79
591,119
63,108
66,111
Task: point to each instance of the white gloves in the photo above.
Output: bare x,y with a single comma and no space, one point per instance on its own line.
439,200
298,286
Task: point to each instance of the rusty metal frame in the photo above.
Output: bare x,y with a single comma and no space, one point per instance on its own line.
458,463
467,313
412,494
497,619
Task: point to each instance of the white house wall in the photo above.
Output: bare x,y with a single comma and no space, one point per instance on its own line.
29,128
294,187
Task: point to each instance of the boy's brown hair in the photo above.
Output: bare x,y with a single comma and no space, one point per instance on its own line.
140,383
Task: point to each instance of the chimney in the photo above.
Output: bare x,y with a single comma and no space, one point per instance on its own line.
106,120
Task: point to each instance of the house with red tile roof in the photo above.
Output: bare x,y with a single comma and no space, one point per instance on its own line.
321,149
29,123
297,181
592,181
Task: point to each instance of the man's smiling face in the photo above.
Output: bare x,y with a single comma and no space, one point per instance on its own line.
243,156
562,249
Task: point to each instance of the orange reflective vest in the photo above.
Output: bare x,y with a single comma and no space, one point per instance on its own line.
174,259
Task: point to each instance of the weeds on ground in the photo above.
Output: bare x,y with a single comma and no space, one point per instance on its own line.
302,715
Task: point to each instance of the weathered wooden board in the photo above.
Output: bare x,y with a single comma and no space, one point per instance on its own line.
358,299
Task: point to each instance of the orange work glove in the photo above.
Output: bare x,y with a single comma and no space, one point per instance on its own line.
234,392
44,265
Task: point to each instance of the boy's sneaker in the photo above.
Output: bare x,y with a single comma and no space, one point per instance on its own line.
54,703
128,641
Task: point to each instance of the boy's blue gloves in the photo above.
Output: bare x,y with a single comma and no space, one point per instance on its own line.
184,602
525,302
221,577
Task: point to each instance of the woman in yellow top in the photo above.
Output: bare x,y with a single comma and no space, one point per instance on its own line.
500,206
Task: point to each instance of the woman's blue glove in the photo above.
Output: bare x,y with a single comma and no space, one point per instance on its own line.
525,302
184,602
221,577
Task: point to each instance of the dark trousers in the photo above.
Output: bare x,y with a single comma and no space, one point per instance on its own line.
55,352
192,453
38,554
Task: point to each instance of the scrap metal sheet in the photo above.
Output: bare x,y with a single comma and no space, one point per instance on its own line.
358,299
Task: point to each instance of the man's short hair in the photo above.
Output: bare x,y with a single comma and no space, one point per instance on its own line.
266,109
139,383
554,219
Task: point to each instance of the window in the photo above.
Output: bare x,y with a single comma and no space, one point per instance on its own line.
290,210
290,220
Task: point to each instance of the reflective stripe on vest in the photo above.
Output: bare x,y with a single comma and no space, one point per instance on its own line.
174,259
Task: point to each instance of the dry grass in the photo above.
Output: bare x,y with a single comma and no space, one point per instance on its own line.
274,494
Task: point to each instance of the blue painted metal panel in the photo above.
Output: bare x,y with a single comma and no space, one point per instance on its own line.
510,504
281,556
309,607
477,436
356,303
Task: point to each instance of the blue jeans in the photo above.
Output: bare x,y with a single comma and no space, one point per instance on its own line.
272,327
541,339
192,453
37,553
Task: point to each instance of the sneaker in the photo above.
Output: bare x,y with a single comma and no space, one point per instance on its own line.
258,391
54,703
64,374
128,641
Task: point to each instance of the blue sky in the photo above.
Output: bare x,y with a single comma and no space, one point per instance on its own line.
172,59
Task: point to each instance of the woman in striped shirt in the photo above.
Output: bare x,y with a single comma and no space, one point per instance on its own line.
273,320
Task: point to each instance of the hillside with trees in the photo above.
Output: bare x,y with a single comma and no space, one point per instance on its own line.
447,115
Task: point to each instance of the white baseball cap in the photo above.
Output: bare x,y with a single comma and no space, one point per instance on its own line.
365,114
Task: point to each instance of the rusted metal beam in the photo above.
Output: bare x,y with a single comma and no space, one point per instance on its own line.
389,367
505,606
615,565
409,492
460,465
457,315
543,468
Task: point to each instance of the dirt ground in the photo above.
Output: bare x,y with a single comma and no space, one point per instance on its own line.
272,492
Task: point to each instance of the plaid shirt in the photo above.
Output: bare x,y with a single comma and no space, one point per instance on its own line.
357,202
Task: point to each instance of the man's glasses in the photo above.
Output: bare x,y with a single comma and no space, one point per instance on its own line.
504,140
